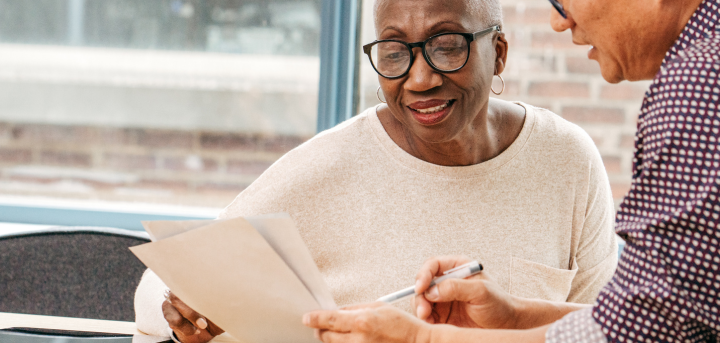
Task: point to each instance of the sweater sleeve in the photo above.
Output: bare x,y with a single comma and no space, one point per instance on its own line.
597,248
149,297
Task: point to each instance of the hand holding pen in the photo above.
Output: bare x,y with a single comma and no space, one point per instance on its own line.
474,302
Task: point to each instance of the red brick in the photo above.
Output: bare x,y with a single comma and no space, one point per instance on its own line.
623,91
129,162
161,184
582,65
512,88
5,132
612,164
627,141
180,163
164,139
228,141
279,143
53,134
14,156
247,167
577,114
219,186
619,190
598,140
555,40
559,89
531,15
64,158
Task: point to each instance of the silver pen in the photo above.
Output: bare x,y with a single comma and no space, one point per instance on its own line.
459,272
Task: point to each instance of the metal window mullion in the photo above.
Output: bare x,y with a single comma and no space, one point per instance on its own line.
338,89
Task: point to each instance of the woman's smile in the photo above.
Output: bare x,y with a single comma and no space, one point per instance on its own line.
431,112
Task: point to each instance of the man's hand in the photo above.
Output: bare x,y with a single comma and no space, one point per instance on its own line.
375,322
188,325
476,302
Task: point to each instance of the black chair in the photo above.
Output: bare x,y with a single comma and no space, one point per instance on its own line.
71,272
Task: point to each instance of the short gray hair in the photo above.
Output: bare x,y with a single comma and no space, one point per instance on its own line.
489,11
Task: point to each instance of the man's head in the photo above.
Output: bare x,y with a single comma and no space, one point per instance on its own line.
629,38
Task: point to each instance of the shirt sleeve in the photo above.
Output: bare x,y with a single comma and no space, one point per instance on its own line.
576,327
596,250
149,297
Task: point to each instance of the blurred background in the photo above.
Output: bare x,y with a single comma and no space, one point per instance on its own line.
186,102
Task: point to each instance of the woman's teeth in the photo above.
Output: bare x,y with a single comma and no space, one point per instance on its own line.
433,109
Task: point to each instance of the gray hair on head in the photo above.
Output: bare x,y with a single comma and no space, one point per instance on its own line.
489,11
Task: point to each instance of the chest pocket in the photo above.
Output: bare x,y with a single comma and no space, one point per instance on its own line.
535,280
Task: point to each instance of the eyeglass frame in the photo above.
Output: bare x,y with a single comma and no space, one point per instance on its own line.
469,38
559,7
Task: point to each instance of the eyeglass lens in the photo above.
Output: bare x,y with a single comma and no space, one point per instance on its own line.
446,52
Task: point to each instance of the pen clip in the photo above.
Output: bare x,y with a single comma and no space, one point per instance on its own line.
460,267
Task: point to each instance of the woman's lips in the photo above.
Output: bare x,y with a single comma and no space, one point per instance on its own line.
431,112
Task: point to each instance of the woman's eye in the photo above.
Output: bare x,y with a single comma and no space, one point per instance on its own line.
394,56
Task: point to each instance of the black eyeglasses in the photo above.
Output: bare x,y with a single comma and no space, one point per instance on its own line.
559,8
445,52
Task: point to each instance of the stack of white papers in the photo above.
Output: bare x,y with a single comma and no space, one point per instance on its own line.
254,277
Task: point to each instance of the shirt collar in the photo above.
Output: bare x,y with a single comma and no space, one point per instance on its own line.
703,22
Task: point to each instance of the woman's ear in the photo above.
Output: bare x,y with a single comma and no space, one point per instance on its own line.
501,50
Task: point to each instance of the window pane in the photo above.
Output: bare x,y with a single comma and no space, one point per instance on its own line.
153,100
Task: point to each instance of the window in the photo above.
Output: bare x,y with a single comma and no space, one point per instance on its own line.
167,101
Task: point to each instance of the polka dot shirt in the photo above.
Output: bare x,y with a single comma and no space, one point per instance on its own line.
667,285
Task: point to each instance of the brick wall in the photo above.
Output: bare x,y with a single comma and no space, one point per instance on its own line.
199,168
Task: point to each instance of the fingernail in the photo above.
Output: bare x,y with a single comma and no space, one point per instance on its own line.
306,319
201,323
417,285
432,294
197,331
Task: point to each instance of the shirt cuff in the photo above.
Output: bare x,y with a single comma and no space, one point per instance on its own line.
578,327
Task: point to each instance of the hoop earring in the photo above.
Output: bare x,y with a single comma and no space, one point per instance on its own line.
378,96
503,86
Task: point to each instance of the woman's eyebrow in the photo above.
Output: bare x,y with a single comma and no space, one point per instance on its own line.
393,28
438,25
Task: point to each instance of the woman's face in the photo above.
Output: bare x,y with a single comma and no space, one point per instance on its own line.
436,107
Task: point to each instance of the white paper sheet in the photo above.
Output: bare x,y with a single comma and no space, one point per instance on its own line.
235,274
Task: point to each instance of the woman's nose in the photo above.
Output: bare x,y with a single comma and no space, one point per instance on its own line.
559,23
421,76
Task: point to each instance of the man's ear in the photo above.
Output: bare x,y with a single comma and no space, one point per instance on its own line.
501,50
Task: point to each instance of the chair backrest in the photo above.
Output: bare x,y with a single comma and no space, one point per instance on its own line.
71,272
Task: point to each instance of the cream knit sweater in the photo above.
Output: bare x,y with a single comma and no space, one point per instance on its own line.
539,216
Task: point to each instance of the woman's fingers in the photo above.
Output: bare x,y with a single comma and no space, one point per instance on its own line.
198,320
176,321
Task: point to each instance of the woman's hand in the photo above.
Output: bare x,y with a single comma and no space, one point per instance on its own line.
375,322
188,325
476,302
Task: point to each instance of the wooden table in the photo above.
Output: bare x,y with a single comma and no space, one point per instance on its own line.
10,320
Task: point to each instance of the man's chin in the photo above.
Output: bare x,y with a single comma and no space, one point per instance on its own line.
611,73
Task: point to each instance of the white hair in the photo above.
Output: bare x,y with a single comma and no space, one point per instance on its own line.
489,11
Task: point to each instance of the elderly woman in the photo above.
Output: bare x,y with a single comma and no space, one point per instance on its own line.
440,169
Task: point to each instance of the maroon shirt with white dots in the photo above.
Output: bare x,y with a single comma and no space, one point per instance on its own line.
667,285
